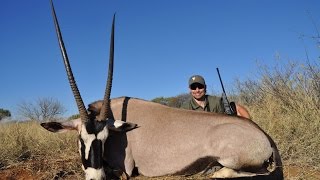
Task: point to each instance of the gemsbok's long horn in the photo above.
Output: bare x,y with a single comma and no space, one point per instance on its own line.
82,110
105,109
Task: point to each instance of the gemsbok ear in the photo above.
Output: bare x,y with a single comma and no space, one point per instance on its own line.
120,126
59,127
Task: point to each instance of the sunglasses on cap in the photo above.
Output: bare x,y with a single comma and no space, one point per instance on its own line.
194,86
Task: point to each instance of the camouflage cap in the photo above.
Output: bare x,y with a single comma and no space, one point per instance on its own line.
197,79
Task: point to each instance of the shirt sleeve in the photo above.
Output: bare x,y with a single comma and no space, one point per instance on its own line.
216,104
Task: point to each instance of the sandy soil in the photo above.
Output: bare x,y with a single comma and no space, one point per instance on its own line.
23,172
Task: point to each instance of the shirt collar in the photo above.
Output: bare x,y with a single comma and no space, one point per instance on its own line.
195,105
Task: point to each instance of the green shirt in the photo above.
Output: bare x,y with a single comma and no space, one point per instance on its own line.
212,104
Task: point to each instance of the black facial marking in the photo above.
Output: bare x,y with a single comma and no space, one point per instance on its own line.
85,163
95,159
94,127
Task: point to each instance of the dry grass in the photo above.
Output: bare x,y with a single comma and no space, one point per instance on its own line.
28,150
32,151
45,154
283,101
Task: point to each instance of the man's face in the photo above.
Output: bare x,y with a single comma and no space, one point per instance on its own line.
197,90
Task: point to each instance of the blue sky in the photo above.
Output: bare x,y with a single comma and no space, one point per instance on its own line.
158,45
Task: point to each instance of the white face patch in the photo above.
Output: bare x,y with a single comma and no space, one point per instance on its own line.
102,136
97,174
87,140
118,123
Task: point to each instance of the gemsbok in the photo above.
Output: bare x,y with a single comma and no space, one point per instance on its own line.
161,140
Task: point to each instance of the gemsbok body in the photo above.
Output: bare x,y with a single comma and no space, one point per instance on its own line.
125,133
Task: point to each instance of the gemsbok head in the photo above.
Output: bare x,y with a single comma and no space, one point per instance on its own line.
93,130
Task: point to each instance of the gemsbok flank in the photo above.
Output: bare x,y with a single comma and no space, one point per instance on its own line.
161,140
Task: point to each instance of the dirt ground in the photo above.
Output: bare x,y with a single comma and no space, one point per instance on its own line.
23,172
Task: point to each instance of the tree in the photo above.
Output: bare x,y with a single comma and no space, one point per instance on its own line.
161,100
4,113
175,101
43,109
75,116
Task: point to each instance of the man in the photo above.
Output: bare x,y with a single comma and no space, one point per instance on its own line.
202,102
